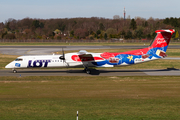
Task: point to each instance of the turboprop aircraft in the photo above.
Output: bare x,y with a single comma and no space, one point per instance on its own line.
84,59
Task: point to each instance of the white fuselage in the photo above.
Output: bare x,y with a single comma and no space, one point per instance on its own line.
50,61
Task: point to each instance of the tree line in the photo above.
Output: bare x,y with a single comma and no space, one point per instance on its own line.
85,28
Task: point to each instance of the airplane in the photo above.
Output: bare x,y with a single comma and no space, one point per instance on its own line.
86,60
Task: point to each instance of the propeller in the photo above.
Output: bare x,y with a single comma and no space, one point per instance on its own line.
63,56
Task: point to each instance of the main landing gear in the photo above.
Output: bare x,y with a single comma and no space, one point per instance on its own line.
88,71
14,71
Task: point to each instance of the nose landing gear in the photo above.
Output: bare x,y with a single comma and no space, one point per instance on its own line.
14,71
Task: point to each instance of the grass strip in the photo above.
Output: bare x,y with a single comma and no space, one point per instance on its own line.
96,98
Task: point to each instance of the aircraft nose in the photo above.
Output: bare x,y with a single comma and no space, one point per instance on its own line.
9,65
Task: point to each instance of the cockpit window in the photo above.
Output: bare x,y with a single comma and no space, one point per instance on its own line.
19,59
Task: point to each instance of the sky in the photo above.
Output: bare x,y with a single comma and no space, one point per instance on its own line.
47,9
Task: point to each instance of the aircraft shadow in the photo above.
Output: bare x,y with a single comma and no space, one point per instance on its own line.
93,71
108,71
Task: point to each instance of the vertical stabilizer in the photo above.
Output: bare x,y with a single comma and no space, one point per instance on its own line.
162,39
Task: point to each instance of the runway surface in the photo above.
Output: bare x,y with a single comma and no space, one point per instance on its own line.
47,50
72,72
44,50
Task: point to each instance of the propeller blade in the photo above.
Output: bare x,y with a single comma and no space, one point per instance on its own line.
63,53
63,56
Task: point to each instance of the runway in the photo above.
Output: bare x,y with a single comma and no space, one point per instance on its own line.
47,50
44,50
105,72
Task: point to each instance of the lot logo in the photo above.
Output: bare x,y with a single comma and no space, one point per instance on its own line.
38,63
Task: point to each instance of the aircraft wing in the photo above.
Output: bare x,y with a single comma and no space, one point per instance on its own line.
85,56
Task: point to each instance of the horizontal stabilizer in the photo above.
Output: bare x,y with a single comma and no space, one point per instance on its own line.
161,53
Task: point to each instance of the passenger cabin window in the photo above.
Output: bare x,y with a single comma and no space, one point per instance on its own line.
19,59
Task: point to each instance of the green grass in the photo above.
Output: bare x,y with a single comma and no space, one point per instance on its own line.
173,52
5,59
156,64
96,98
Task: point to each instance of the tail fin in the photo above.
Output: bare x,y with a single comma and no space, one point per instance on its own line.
157,48
162,39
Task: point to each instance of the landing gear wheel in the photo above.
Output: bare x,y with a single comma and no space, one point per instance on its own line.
14,71
88,71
